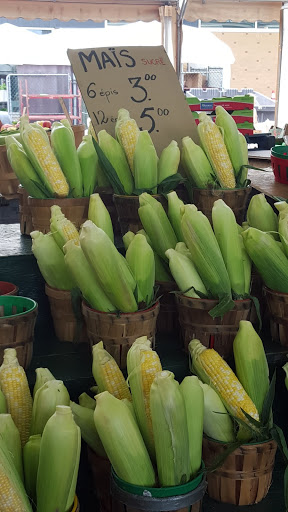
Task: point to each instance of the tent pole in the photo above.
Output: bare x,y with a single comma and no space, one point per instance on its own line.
281,106
180,18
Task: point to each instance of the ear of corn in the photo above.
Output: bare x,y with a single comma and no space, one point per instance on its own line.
168,162
213,144
244,156
130,407
50,260
84,418
31,453
113,275
140,258
99,214
192,394
127,239
283,229
127,132
116,155
122,441
231,137
213,370
217,422
182,248
3,404
260,215
89,164
281,206
107,373
196,164
143,364
13,497
145,163
58,461
11,437
174,213
86,401
65,150
247,265
43,375
43,159
51,394
268,259
185,274
15,387
161,268
170,430
226,232
22,167
85,278
251,363
61,228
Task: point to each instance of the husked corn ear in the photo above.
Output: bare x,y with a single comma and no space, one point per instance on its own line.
63,144
84,418
31,453
87,401
185,274
227,236
51,394
11,437
89,164
107,373
196,164
43,159
42,376
62,228
231,137
217,423
213,370
145,163
99,214
122,441
127,239
127,132
140,258
251,363
50,260
193,397
268,259
13,497
143,363
116,155
170,430
213,144
260,215
168,162
113,275
174,214
15,387
85,278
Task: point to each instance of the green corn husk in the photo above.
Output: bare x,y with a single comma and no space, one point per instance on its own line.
244,153
116,155
3,404
130,406
85,278
169,161
174,214
196,164
122,441
283,229
43,375
182,248
86,401
140,258
156,225
46,399
162,273
285,368
58,462
185,274
251,363
193,397
113,275
207,258
145,163
15,498
127,239
62,228
231,138
89,164
65,150
31,453
50,261
11,437
281,206
268,259
99,214
227,236
260,215
247,265
170,430
84,418
217,423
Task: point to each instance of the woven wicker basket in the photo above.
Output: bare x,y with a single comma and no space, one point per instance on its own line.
277,304
237,199
75,209
24,210
127,210
8,179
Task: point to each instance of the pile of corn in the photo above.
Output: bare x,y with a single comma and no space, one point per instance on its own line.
151,428
56,170
39,441
90,261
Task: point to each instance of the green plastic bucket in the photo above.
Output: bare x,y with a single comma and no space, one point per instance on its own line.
11,306
158,498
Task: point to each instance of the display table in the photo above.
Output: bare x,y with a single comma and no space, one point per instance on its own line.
264,181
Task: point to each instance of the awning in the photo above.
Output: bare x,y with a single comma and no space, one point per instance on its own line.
235,11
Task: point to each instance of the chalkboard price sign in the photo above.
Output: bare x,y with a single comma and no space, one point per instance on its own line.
140,79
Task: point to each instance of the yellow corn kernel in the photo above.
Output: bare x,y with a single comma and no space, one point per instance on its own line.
127,133
107,373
